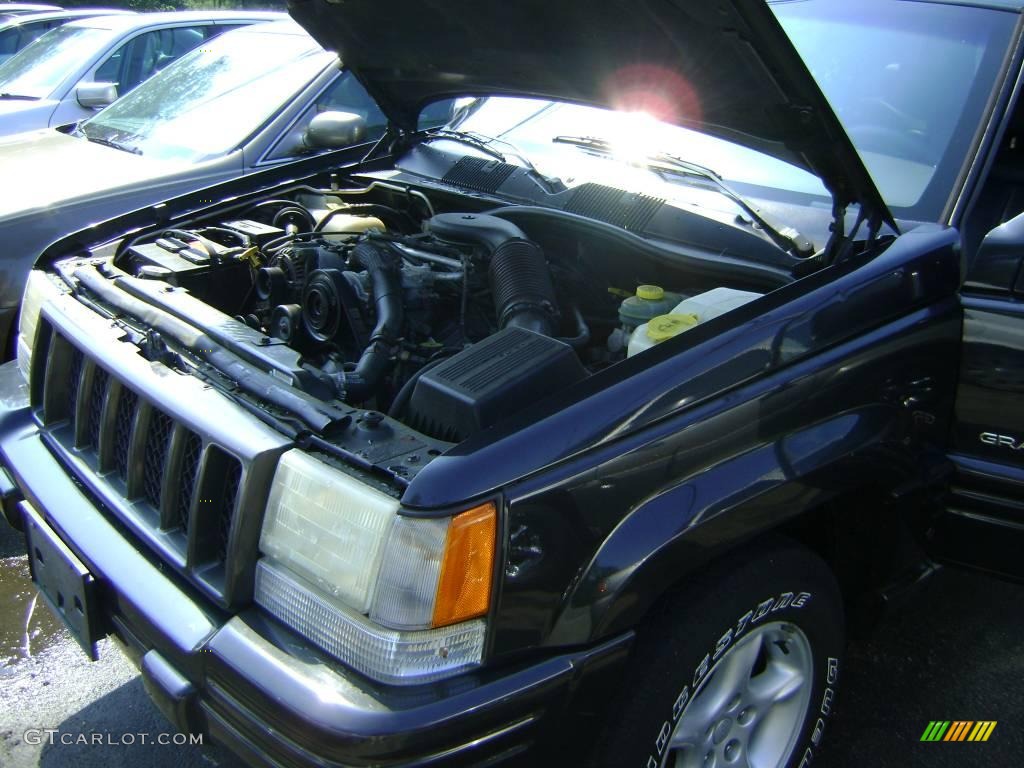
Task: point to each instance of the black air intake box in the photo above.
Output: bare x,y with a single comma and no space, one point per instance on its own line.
491,380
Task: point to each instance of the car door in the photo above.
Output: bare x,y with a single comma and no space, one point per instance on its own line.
982,524
134,61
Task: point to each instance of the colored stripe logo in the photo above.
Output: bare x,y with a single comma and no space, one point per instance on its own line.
959,730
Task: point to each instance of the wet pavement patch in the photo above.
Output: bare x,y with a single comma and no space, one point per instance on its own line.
27,627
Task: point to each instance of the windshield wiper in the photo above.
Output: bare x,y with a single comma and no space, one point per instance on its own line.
483,143
787,238
18,96
111,143
465,138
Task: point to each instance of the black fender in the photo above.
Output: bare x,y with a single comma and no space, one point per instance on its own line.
679,531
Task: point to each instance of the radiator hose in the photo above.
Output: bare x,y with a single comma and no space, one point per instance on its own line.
379,356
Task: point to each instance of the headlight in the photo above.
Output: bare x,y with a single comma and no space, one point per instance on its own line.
337,550
327,527
31,303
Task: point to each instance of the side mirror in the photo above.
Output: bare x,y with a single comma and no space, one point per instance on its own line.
96,95
332,130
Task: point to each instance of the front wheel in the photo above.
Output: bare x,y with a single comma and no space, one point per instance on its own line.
737,670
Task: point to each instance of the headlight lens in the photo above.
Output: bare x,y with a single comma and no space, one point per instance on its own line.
337,549
327,527
28,320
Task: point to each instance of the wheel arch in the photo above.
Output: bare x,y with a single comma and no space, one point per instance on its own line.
672,539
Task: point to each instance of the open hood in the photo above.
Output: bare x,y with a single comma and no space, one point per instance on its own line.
724,67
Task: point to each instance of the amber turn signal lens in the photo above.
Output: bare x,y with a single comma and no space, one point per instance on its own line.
464,588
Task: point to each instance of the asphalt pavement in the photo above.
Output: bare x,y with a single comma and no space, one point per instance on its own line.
954,653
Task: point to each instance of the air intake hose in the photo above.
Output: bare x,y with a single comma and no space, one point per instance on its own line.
524,295
379,356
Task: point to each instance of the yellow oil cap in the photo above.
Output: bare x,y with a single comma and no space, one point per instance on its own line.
664,327
650,292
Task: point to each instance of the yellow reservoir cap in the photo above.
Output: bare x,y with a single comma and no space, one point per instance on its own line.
650,292
664,327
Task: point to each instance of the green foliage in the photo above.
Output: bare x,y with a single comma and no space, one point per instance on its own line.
179,5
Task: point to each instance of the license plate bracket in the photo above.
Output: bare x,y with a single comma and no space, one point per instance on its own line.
63,580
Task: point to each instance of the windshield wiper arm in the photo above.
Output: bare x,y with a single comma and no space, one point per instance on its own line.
465,138
18,96
786,237
484,145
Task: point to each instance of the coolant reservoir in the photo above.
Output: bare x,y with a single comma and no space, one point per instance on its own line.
685,315
347,223
649,301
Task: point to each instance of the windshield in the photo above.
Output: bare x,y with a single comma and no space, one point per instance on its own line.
909,81
537,131
36,70
213,98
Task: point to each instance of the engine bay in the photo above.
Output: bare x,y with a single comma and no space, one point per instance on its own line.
435,316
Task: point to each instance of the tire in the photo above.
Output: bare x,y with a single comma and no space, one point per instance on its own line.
738,669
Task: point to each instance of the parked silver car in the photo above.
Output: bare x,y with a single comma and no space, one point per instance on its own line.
10,10
69,72
254,98
19,30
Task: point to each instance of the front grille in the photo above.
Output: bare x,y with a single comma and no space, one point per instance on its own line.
184,491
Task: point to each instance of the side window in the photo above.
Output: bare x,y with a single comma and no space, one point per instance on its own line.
9,41
345,94
30,32
436,114
13,39
1000,199
146,54
215,29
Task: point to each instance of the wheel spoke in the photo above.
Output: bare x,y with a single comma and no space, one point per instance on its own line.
728,679
688,734
774,732
781,678
691,757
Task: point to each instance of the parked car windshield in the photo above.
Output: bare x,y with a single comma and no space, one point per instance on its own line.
212,99
909,81
36,70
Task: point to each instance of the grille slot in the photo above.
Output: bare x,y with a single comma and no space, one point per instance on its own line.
74,380
155,456
226,513
100,382
189,472
628,210
126,411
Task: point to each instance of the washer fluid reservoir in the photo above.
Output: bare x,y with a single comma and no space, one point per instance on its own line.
687,314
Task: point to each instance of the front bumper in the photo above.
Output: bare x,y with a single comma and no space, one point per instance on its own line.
258,688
